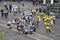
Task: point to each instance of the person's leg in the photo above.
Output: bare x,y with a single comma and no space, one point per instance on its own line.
49,30
46,30
34,30
37,23
10,10
53,21
30,32
5,15
2,14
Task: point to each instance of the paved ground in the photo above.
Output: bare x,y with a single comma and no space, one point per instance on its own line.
12,35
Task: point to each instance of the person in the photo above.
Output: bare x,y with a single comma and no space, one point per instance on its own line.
19,10
25,30
37,23
23,4
2,12
14,9
10,8
34,28
6,13
13,22
48,28
45,23
15,19
5,5
37,3
21,26
33,3
34,11
31,30
52,16
45,18
54,21
18,28
34,23
42,13
39,10
18,21
28,18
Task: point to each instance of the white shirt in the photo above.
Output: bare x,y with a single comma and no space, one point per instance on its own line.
51,21
14,8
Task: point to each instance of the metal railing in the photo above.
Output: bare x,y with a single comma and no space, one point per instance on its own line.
56,8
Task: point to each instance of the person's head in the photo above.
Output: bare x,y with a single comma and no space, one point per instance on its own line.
5,4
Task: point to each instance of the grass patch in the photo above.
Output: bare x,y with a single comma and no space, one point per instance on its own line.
1,34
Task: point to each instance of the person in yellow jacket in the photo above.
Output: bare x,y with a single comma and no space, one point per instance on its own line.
39,18
45,18
51,17
48,28
46,23
34,11
42,13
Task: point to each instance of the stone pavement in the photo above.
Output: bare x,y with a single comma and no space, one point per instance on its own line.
12,35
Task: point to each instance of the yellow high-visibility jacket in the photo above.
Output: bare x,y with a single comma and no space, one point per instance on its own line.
47,28
35,10
51,17
41,13
45,23
38,17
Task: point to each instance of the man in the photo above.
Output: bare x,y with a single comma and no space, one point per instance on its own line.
37,23
23,4
34,28
48,28
2,10
39,9
31,30
25,30
6,13
33,2
10,8
39,18
52,22
21,26
5,5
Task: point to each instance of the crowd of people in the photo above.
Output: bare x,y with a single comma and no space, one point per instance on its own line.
36,2
21,23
